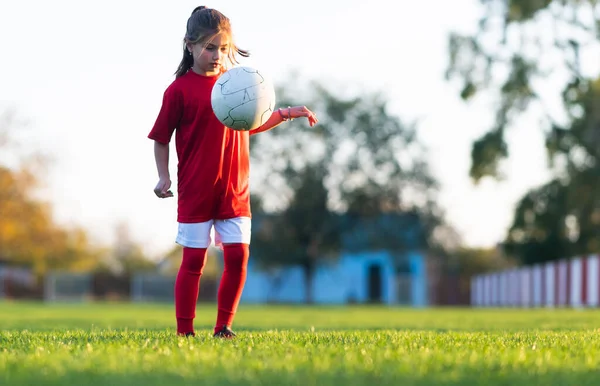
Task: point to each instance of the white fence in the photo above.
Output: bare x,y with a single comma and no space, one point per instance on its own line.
564,283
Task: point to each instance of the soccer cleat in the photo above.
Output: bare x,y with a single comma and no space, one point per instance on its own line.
187,334
225,332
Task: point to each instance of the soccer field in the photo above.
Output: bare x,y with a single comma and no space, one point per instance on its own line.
130,344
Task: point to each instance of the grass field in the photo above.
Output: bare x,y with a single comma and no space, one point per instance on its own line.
125,344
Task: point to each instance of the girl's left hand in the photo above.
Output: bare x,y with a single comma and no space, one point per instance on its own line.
299,112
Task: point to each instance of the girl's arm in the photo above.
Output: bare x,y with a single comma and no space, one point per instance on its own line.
281,115
161,156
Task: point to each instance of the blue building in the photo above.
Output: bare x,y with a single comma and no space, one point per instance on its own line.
363,273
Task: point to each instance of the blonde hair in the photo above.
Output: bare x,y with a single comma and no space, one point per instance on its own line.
203,25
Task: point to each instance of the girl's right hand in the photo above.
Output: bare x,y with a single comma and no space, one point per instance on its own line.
162,188
302,111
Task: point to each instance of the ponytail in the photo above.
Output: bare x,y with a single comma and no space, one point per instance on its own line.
186,62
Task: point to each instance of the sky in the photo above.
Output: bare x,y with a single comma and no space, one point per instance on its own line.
89,77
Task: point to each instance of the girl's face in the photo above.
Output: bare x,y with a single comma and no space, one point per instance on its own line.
209,58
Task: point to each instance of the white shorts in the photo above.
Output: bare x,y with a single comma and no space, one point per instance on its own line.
230,231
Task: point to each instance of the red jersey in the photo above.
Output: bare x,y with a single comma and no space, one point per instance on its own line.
213,160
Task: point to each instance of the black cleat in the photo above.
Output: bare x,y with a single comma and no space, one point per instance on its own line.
188,334
225,332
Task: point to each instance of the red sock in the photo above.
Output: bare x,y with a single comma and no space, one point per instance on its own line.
235,258
186,288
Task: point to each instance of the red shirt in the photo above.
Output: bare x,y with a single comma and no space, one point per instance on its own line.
213,160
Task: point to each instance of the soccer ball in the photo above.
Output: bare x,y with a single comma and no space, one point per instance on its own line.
243,98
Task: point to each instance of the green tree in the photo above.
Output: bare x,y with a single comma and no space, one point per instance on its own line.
302,233
469,262
526,53
359,160
562,218
540,231
519,47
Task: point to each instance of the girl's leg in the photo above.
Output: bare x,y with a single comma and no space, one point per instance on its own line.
195,239
234,236
235,258
187,285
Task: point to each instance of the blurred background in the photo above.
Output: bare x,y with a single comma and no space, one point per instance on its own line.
456,161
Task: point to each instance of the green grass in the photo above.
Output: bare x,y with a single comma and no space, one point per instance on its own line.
127,344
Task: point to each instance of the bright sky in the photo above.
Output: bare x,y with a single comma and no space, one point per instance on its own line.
89,77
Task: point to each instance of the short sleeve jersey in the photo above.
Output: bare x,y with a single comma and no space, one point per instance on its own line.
213,160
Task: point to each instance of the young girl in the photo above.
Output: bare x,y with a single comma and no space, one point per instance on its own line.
213,169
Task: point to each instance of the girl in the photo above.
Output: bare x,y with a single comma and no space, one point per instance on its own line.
213,169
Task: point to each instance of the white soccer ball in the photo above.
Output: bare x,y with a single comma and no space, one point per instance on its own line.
243,98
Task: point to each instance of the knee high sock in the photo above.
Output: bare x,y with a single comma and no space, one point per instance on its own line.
235,258
186,288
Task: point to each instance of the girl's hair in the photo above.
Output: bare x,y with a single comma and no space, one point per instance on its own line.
203,24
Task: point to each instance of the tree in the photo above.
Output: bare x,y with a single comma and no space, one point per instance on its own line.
540,231
302,233
562,218
526,52
28,233
519,48
469,262
358,160
127,254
